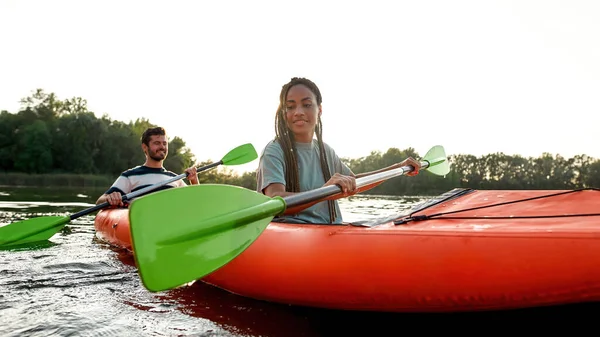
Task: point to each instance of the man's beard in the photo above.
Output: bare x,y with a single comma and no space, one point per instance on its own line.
156,156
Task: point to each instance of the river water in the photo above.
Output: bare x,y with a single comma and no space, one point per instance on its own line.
75,285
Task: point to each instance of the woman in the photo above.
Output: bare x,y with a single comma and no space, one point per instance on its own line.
296,162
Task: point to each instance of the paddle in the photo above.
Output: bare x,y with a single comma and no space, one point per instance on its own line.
42,228
434,161
180,235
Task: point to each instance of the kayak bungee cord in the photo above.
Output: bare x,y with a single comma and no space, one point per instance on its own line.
410,217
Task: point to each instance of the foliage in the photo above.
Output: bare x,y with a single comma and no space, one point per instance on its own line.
59,141
48,135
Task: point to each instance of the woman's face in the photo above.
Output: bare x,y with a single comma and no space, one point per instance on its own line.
302,112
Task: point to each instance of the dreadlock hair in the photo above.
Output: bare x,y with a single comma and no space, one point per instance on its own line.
287,141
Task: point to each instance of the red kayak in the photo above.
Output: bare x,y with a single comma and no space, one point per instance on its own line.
466,250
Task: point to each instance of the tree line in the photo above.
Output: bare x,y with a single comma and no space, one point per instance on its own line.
53,136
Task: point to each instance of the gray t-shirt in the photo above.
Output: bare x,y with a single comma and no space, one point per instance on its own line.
271,169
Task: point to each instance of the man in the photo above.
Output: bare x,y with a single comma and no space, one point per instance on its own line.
156,147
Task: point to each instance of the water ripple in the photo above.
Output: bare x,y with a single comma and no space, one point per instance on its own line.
74,285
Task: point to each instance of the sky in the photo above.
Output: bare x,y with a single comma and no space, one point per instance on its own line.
477,77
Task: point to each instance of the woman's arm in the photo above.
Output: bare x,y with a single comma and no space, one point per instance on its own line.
346,183
276,190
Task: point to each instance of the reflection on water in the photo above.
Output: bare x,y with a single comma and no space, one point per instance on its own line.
362,207
76,285
17,204
32,205
9,193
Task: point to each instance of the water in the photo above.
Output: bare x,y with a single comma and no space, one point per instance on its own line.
75,285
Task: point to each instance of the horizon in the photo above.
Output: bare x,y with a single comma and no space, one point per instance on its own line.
519,78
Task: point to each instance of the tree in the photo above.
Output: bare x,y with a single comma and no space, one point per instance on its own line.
9,124
33,150
180,157
592,179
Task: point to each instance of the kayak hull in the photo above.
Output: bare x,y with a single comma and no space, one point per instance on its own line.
512,256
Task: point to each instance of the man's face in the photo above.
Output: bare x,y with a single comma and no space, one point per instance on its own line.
158,148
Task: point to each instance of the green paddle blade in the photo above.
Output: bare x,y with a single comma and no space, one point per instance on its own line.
182,234
438,163
31,230
240,155
41,229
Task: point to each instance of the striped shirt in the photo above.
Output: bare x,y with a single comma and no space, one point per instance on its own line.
143,176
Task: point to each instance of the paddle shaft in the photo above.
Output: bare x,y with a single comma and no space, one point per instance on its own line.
325,192
142,191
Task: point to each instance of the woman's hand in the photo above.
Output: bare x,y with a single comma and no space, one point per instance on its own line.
411,162
346,183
